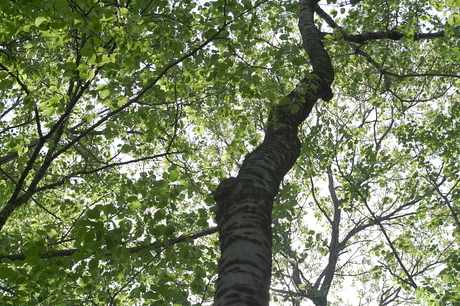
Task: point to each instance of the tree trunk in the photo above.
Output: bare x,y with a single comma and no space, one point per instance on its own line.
244,204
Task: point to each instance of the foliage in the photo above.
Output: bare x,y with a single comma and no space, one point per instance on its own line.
118,118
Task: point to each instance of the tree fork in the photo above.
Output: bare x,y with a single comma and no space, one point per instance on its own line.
244,203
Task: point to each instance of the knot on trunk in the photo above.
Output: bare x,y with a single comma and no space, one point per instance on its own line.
225,194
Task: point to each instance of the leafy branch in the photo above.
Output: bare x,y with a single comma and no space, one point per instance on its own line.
132,250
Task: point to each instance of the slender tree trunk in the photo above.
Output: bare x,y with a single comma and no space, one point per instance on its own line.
244,203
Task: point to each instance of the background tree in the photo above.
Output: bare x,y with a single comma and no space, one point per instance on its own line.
119,118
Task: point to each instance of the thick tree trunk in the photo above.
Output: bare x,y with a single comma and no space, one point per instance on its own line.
244,204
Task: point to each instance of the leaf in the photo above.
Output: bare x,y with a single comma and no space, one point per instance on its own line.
104,93
78,256
150,295
135,205
124,11
5,272
87,49
93,264
93,214
199,129
82,67
285,101
6,84
294,108
453,3
173,175
39,20
454,20
122,101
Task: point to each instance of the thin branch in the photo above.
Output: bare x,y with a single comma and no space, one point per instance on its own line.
391,35
313,193
379,35
85,172
133,277
445,199
9,290
334,247
133,250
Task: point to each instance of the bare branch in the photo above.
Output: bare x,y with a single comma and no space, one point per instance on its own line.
391,35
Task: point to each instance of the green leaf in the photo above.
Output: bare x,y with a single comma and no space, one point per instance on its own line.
93,264
87,49
122,101
78,256
150,295
173,175
453,3
285,101
39,20
124,11
5,272
454,20
6,84
104,93
93,214
135,205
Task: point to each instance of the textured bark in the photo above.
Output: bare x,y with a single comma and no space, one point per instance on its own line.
244,204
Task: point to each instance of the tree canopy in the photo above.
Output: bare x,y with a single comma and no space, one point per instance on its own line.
119,118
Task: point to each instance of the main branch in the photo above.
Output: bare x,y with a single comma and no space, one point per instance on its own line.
244,203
